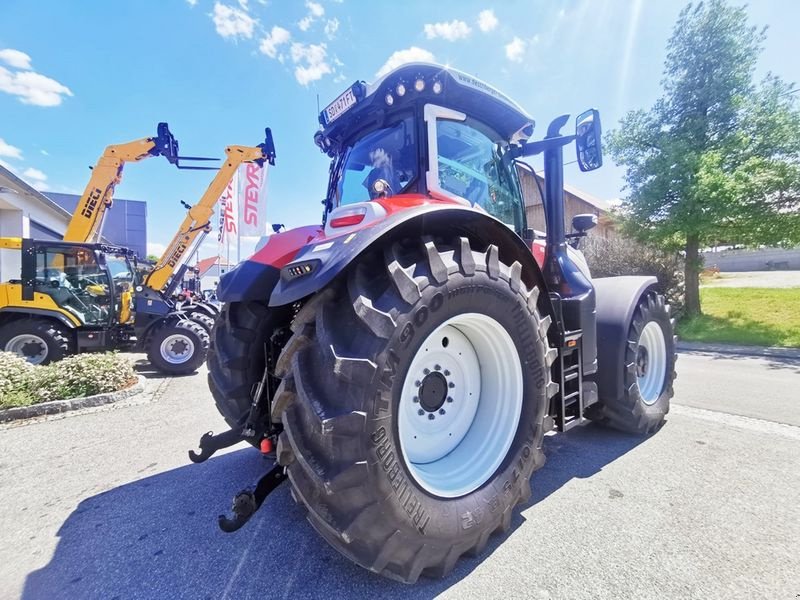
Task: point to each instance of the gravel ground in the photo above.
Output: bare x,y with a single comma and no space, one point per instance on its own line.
768,279
104,504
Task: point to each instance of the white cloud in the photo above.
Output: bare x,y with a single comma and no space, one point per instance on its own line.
331,27
401,57
191,2
156,248
15,58
8,150
315,11
310,61
44,152
516,49
35,178
486,20
452,31
32,88
232,22
274,39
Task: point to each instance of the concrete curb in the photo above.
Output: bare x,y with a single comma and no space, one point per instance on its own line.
59,406
772,352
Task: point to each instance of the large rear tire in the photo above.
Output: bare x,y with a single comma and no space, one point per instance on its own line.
648,372
39,341
404,455
178,346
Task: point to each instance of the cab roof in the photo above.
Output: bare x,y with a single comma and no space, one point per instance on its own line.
456,90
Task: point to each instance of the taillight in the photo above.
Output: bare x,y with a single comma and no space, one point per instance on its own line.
349,218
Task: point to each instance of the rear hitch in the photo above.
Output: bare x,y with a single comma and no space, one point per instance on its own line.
248,501
210,443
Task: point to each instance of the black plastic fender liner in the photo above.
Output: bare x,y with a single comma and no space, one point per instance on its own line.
616,299
249,280
330,257
40,312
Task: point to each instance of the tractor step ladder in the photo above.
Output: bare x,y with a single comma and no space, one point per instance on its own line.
569,375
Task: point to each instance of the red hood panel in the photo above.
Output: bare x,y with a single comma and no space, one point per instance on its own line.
282,247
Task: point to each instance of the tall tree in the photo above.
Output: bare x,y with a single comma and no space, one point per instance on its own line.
717,157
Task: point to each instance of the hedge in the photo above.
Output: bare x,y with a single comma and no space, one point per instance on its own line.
23,384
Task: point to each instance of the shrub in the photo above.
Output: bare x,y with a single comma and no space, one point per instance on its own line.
621,256
74,377
15,375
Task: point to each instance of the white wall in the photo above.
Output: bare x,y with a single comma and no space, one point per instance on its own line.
16,212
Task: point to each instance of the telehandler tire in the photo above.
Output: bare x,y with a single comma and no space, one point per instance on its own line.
202,319
648,371
178,346
39,341
412,399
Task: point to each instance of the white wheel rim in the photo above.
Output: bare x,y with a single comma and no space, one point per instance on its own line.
470,432
25,345
651,363
177,348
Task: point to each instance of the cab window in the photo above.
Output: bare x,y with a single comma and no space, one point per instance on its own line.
470,165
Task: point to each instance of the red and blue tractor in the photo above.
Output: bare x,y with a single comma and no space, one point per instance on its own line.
402,360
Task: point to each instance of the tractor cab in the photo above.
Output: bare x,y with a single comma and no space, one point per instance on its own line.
430,131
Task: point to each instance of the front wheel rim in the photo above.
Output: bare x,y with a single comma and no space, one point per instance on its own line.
460,405
651,363
29,346
176,349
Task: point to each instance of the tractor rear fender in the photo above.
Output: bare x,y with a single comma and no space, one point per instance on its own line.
327,257
616,299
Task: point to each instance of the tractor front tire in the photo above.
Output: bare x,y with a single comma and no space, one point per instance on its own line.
39,341
412,398
648,371
177,346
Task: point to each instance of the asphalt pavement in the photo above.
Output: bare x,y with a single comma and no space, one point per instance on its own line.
104,503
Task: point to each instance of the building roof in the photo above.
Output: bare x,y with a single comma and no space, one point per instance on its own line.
11,181
204,264
601,205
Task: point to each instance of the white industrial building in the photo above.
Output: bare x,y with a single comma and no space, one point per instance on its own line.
25,212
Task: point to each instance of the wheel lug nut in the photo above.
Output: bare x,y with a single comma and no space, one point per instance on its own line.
451,385
449,399
442,411
426,371
417,383
438,367
431,416
420,412
415,400
446,373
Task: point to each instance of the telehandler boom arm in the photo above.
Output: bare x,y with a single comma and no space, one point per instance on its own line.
197,222
97,198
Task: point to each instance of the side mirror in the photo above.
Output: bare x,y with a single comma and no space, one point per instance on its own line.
583,223
587,140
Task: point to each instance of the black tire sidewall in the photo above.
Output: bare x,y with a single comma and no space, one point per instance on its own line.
646,314
482,507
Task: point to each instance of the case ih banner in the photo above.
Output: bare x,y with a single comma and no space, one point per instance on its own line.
243,206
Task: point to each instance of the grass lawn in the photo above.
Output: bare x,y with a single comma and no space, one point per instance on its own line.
750,316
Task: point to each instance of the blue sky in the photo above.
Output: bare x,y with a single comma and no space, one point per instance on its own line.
77,76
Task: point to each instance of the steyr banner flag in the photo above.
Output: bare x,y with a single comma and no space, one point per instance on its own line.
252,200
228,210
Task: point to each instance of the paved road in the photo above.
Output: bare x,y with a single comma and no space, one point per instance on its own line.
104,504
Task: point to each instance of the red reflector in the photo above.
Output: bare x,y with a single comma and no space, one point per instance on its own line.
266,446
348,220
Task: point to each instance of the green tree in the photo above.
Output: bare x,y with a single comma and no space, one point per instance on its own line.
717,157
152,258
